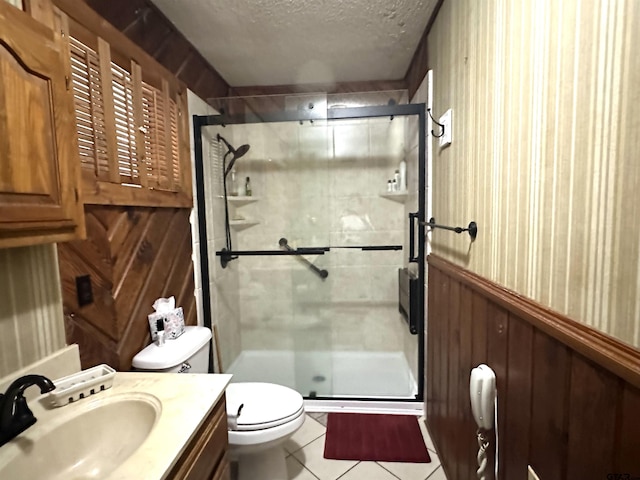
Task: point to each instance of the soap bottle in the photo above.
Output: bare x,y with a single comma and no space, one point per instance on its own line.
233,190
247,187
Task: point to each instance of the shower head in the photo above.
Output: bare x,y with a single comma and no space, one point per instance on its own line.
241,151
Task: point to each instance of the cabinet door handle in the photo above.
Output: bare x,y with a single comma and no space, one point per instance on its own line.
185,367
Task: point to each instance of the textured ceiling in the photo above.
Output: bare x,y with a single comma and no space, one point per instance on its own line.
281,42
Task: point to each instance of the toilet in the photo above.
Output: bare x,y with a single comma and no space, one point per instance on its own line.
261,416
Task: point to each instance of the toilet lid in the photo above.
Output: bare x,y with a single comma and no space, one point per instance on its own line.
266,405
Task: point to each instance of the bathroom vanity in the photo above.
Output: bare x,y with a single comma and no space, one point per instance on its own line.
147,425
206,456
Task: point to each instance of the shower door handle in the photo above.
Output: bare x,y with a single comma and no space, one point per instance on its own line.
412,237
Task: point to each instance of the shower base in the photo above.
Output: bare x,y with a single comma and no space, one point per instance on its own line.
324,374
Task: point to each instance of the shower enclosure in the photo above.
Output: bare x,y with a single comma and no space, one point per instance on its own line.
304,279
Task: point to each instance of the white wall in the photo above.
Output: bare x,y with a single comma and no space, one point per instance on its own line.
31,322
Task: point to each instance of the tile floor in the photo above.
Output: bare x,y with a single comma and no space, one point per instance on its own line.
305,459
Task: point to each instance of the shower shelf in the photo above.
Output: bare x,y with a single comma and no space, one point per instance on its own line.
241,200
396,196
242,224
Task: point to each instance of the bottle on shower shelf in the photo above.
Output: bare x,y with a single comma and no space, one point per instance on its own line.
233,187
247,187
402,183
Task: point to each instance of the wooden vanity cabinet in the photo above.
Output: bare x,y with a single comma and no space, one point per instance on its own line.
206,457
39,160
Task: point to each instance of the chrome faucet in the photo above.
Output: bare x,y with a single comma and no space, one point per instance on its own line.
15,415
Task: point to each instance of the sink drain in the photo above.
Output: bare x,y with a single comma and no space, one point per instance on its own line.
319,378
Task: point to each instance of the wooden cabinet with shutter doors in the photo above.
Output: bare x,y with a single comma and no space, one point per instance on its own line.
39,166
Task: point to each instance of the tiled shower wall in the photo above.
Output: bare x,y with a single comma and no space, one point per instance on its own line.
319,185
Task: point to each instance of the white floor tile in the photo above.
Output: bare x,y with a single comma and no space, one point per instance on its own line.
296,471
312,457
368,471
310,430
425,434
438,474
413,471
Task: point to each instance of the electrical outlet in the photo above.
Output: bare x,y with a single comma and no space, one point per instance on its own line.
84,290
447,121
532,474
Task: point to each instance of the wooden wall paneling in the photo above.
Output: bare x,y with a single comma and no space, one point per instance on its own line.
329,88
146,26
467,427
159,256
137,276
549,406
134,255
126,230
443,371
564,414
594,398
430,327
454,415
89,257
497,352
479,307
627,452
518,393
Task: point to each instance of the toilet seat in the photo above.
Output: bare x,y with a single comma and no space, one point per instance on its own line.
264,405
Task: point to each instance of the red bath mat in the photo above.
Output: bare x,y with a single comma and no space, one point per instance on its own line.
382,438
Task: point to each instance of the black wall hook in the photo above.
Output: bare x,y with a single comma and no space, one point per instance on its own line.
472,228
437,123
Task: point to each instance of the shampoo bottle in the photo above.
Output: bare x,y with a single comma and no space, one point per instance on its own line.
402,184
234,184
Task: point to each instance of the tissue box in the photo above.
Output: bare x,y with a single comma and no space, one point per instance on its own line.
173,323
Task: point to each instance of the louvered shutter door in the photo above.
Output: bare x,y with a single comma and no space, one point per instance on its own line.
89,106
127,154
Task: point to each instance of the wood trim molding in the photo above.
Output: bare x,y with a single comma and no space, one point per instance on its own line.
619,358
329,88
107,193
419,65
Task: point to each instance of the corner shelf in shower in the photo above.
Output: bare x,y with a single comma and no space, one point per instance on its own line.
399,197
241,200
242,224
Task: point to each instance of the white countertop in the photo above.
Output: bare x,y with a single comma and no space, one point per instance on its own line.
185,399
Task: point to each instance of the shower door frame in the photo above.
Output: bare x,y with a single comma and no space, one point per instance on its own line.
347,113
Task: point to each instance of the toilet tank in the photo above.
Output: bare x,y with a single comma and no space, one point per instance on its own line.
189,353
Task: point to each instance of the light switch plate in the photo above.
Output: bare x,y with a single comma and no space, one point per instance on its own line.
446,120
532,474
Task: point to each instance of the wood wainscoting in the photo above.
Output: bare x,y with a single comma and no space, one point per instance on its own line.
568,395
133,255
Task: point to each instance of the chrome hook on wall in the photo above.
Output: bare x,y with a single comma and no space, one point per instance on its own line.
437,123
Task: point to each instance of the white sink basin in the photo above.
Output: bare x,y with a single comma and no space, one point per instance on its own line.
84,441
